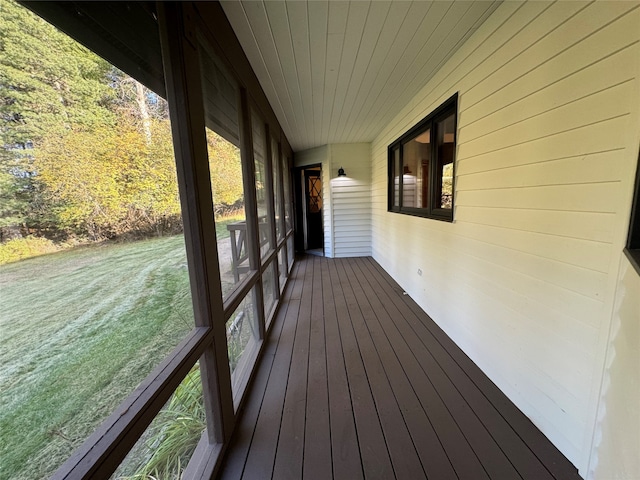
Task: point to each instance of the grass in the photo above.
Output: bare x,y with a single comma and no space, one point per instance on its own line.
222,222
80,329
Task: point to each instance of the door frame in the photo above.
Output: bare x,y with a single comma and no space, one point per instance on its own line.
301,206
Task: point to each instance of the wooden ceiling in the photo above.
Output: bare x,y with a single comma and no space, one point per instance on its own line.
337,71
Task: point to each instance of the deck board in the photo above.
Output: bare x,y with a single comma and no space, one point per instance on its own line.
357,382
317,436
371,441
346,460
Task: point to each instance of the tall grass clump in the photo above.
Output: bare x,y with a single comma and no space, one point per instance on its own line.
26,247
173,435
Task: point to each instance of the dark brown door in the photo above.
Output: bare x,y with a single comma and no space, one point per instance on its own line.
313,194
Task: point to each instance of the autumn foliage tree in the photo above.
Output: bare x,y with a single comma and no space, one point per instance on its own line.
120,184
226,174
85,150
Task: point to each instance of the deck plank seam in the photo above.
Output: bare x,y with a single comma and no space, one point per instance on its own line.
409,377
281,319
350,325
307,285
351,263
445,371
548,456
375,355
254,388
347,379
294,321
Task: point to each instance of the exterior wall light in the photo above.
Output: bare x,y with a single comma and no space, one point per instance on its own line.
341,172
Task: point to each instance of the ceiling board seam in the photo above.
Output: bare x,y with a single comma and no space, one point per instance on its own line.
344,124
295,65
338,74
395,64
288,87
324,81
264,63
288,94
424,79
279,100
377,74
313,131
417,55
364,25
391,127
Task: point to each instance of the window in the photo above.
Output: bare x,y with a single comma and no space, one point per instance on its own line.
633,243
421,166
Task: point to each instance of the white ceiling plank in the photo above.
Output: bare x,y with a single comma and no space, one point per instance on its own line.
358,12
236,15
337,25
392,26
441,24
370,36
338,70
404,41
394,86
445,41
318,28
299,26
279,24
257,18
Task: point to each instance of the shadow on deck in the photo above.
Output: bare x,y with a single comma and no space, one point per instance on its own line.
356,381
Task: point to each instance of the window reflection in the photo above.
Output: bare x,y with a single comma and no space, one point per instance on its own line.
444,166
259,155
416,155
277,191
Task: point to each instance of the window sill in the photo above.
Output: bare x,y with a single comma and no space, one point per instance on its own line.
422,214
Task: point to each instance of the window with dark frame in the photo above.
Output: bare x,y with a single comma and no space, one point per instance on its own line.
421,166
633,243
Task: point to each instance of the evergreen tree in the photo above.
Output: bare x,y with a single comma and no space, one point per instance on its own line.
48,83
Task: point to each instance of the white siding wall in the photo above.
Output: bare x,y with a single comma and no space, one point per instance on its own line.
315,156
351,199
617,438
524,280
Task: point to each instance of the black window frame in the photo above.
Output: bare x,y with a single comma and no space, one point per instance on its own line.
632,249
450,106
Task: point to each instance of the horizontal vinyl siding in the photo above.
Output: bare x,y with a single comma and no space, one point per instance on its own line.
326,209
618,432
524,278
351,199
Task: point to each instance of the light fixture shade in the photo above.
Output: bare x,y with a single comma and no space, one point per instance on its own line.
341,172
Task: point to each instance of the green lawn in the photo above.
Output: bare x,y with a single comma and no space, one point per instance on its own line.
79,330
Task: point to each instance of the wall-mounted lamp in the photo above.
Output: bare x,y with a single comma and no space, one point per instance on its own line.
341,172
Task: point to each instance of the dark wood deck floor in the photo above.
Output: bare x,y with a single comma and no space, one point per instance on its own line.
357,382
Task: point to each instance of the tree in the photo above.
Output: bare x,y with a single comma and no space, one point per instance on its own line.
85,149
48,82
121,183
226,173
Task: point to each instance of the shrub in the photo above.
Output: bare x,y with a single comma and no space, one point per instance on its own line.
21,248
